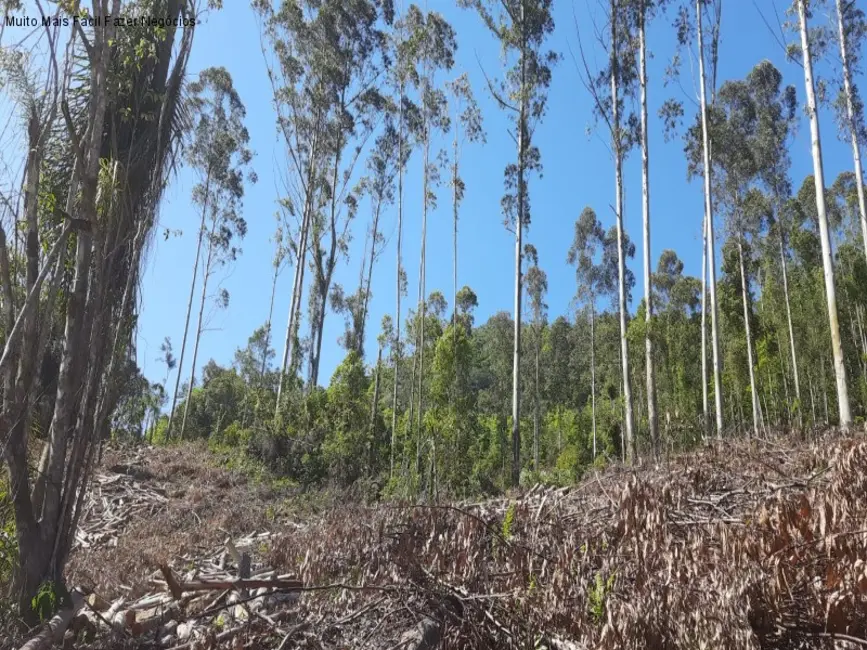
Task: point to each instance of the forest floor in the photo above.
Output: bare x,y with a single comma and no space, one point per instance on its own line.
758,544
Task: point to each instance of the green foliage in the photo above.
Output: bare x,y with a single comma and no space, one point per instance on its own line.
597,595
8,540
46,601
508,521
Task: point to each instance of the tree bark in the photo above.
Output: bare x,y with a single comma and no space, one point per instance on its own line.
792,350
199,325
708,210
706,426
827,260
519,234
190,304
652,417
288,364
536,405
621,253
396,345
373,408
323,279
369,281
593,371
748,334
422,303
853,127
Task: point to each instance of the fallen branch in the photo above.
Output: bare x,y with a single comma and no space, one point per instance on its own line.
178,588
52,632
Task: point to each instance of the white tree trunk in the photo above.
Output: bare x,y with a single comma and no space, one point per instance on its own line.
749,335
791,329
704,396
629,438
593,371
853,127
199,325
652,417
708,209
827,260
288,364
189,305
396,346
422,277
519,233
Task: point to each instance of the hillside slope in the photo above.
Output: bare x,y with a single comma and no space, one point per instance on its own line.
758,545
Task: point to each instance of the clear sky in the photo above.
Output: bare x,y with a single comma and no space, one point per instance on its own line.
577,172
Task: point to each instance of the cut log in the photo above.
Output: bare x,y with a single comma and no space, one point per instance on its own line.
52,631
178,588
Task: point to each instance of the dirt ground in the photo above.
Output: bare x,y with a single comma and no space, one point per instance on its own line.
740,545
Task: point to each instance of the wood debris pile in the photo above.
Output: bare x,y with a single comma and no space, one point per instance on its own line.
112,501
751,545
200,602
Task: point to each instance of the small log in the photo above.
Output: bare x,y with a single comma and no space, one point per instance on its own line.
52,632
178,588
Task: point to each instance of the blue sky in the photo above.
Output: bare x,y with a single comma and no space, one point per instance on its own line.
577,172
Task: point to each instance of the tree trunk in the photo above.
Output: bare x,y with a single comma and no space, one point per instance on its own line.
621,261
825,393
288,365
536,413
422,277
396,346
519,234
263,367
323,280
792,350
706,426
455,241
827,260
189,304
199,326
652,417
708,210
853,127
368,283
373,408
749,336
593,371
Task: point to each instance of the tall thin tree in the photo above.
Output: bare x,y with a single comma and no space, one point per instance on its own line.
521,26
827,260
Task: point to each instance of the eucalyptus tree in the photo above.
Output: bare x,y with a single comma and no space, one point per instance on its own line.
821,209
521,27
609,88
430,47
592,281
326,61
220,155
401,50
536,284
644,12
121,124
690,22
775,108
851,34
349,32
467,124
747,128
379,185
677,299
219,143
